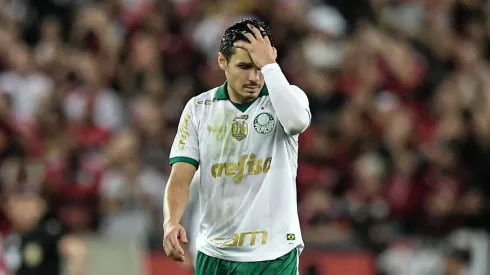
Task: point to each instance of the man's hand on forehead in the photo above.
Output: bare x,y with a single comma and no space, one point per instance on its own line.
260,47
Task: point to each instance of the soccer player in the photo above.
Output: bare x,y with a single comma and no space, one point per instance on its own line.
244,137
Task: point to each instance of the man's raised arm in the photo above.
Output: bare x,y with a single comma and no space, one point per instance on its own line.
290,102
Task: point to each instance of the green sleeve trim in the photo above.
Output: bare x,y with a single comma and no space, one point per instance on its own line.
191,161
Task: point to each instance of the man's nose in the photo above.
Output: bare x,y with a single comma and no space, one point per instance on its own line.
255,75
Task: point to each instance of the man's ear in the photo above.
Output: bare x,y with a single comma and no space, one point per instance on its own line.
223,64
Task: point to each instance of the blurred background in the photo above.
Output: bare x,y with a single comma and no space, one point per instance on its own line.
394,173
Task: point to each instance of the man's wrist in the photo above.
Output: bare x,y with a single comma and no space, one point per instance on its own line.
170,222
269,66
268,63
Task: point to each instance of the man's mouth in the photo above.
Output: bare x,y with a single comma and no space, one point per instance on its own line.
252,87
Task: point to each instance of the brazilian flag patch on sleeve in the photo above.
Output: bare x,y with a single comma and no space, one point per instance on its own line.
290,237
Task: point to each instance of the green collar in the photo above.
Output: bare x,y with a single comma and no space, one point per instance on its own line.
222,94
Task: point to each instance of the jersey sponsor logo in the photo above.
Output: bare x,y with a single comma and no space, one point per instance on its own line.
239,128
247,165
33,254
183,132
264,123
241,239
205,102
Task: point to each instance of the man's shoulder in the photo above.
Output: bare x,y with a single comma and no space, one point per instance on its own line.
205,99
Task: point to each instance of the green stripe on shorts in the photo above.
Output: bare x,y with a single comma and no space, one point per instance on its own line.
285,265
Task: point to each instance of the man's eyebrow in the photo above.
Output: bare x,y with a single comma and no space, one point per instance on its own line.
244,63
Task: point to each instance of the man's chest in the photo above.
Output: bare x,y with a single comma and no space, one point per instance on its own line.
225,130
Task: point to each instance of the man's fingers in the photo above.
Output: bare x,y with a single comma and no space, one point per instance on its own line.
177,257
172,251
256,32
172,246
268,41
250,37
183,235
242,44
167,245
176,245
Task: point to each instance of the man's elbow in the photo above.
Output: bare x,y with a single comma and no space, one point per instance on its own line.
297,125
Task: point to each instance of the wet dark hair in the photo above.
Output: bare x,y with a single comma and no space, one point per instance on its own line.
234,33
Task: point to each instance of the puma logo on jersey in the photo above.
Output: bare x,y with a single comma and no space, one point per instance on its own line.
247,165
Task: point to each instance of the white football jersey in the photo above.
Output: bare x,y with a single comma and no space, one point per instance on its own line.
248,164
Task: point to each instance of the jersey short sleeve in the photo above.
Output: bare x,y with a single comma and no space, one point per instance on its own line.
186,143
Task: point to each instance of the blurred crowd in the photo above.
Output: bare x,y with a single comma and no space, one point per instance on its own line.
396,161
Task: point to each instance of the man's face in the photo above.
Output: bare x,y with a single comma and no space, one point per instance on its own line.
244,78
24,211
